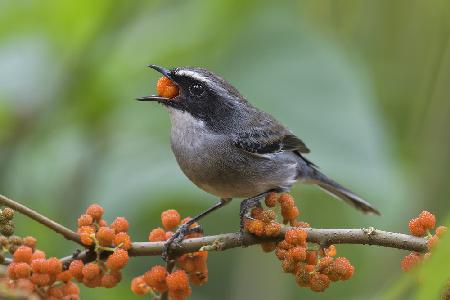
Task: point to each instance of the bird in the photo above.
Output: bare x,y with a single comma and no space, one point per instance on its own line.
231,149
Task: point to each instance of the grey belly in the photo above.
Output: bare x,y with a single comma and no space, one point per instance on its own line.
223,170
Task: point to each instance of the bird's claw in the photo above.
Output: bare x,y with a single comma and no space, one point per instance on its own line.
175,240
245,210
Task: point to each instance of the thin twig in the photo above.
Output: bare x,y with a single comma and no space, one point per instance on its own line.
320,236
58,228
169,267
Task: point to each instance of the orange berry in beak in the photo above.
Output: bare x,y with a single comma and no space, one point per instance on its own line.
166,88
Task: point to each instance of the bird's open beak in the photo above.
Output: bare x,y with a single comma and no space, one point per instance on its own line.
155,98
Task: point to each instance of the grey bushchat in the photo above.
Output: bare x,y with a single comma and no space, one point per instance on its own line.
231,149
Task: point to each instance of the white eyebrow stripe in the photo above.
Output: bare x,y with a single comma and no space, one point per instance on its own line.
200,77
194,75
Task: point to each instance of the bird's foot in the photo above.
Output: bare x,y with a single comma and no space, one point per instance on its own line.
245,210
175,240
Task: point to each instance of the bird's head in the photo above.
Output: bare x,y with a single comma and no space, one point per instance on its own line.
202,93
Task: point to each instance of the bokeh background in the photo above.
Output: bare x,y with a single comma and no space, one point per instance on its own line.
364,83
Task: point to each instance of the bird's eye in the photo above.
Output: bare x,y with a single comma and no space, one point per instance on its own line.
196,89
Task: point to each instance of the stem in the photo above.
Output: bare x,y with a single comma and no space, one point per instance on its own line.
58,228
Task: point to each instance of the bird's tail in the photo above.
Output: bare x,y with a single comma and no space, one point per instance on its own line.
338,191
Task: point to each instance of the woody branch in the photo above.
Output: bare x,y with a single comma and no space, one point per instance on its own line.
221,242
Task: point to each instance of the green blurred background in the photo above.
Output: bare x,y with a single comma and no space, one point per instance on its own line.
364,83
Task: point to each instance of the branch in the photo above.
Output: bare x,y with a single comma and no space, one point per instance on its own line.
322,237
58,228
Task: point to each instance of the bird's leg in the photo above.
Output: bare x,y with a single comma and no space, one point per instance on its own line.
184,229
247,205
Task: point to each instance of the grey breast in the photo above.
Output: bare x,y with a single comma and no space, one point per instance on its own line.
211,161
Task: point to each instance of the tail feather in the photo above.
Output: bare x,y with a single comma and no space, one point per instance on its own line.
340,192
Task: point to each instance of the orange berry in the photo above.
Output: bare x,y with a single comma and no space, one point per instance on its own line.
427,219
76,269
22,270
122,239
170,219
70,288
296,236
40,279
441,230
117,260
167,88
120,224
54,266
432,242
342,268
110,280
105,236
102,223
85,220
64,276
290,213
269,246
177,281
288,264
29,241
284,245
281,253
410,261
255,227
25,285
295,223
272,229
156,278
257,213
416,228
325,262
319,282
268,216
86,239
297,253
93,282
271,199
86,233
199,278
311,257
139,287
37,254
330,251
95,211
90,271
23,254
39,265
286,200
56,292
12,271
157,235
303,275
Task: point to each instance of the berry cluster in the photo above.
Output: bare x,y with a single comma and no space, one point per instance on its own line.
33,274
421,227
191,267
95,232
30,273
313,268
